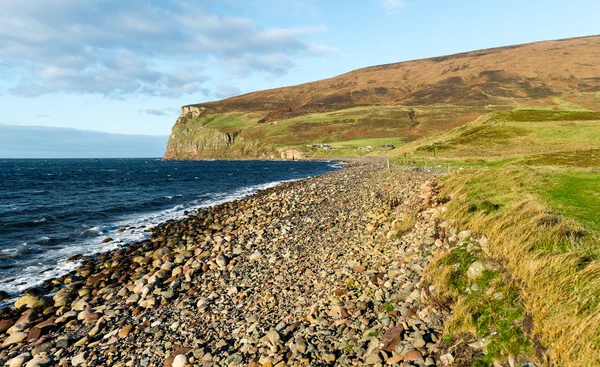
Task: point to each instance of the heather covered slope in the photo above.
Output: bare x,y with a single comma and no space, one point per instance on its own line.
402,101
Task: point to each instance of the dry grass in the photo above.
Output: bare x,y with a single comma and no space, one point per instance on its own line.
556,259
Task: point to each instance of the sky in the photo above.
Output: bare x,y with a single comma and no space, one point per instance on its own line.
127,66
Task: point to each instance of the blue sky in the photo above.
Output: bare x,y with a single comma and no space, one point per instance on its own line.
127,66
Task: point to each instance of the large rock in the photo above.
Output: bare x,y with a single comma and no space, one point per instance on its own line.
15,338
32,301
19,360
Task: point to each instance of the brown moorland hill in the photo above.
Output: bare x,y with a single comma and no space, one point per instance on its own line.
374,102
535,70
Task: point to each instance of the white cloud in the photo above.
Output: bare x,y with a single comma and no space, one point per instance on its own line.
157,112
117,48
393,4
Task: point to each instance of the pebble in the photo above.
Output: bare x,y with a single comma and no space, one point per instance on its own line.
180,361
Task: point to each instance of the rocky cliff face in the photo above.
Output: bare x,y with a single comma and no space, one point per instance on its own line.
190,140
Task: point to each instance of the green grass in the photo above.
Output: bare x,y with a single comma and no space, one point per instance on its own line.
574,194
228,122
542,224
488,306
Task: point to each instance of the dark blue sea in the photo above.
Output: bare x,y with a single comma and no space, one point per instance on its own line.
52,209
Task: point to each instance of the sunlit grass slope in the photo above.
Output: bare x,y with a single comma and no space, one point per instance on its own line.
529,180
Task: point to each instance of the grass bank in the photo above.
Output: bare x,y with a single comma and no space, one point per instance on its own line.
541,225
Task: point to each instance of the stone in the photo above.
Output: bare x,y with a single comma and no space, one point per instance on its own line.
373,359
19,360
255,256
38,361
79,305
180,360
475,270
31,301
273,337
79,359
221,261
5,325
15,338
125,330
418,342
329,357
447,359
464,235
395,359
88,316
411,355
391,338
63,341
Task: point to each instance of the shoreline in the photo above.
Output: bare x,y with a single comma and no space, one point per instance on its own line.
268,256
108,233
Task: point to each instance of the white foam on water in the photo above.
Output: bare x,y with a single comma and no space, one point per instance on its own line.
14,252
33,272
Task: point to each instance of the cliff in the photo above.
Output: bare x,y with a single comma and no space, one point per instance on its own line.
388,105
191,139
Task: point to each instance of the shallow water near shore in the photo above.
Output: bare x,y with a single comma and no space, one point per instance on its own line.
52,209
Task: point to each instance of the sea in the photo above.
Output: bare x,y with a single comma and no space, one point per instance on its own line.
53,209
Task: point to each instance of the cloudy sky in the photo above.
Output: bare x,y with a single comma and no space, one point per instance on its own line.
127,66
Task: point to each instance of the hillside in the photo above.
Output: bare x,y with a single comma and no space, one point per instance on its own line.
391,104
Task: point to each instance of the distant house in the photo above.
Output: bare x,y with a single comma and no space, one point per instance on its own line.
320,145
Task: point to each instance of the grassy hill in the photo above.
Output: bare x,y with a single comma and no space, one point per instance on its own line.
404,101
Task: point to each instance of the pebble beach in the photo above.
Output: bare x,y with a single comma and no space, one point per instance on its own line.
320,272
